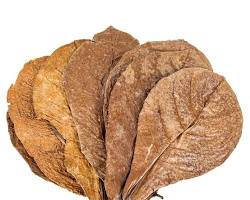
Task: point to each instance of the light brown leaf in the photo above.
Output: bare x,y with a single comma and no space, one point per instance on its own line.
190,123
50,104
40,139
84,78
126,89
20,148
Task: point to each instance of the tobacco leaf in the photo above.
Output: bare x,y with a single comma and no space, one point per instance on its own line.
20,148
50,104
190,123
125,91
39,138
84,78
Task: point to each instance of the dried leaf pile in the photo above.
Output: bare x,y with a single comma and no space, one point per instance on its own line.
111,119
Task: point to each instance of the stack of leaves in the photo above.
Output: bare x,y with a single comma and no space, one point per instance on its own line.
111,119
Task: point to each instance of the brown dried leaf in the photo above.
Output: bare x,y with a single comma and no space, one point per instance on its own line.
84,78
40,139
50,104
125,91
189,124
20,148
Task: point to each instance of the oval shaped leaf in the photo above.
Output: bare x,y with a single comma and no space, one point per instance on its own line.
138,75
84,78
50,104
189,124
40,139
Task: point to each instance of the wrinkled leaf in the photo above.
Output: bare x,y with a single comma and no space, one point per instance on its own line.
138,74
40,139
190,123
20,148
84,78
50,104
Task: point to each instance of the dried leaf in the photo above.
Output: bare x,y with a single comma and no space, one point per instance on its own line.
189,124
134,118
126,93
20,148
40,139
84,78
50,104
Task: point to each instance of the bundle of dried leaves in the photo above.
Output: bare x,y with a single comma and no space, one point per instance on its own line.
111,119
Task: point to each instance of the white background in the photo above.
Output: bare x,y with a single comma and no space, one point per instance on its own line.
220,29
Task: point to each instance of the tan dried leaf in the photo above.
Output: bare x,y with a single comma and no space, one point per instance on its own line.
50,104
125,91
84,78
190,123
20,148
40,139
